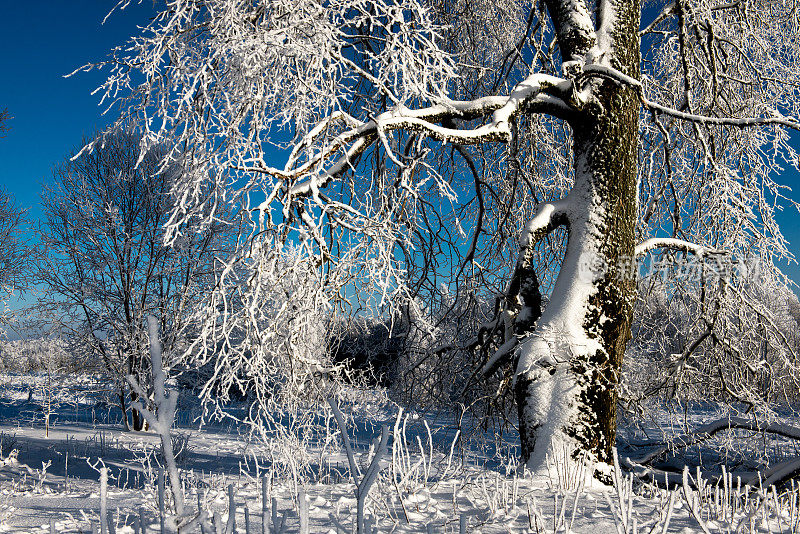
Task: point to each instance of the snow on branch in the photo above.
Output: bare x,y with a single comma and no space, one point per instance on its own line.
676,244
363,482
665,12
501,355
742,122
776,474
604,71
548,216
537,93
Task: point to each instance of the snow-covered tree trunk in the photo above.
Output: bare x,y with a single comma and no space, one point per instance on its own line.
568,367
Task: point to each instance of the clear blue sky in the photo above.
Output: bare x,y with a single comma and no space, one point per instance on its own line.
41,41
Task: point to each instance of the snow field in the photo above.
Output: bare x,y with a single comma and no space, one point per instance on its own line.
430,479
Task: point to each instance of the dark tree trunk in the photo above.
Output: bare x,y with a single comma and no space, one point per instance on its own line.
123,408
134,364
137,419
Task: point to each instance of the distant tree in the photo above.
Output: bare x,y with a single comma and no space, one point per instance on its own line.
104,266
5,116
13,250
14,254
35,355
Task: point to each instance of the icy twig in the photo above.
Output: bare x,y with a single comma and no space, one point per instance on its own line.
692,500
368,479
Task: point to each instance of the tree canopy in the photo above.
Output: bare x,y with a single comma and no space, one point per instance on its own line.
453,160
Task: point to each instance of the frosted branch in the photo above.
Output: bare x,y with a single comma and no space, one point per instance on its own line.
499,357
537,93
547,217
708,430
164,417
721,121
676,244
574,28
604,71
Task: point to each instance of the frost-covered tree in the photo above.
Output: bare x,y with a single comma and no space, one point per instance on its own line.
13,250
104,268
502,149
14,254
738,345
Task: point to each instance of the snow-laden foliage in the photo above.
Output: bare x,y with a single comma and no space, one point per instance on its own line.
42,355
265,334
703,181
242,76
441,152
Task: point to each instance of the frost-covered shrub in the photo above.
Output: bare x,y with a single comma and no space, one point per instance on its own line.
737,344
43,355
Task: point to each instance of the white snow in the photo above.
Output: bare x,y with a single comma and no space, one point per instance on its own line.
417,485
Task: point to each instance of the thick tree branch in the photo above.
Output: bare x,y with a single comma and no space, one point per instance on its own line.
501,355
522,290
574,28
708,430
663,14
540,93
547,218
721,121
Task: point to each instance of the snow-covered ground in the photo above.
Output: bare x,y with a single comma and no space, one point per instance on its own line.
427,482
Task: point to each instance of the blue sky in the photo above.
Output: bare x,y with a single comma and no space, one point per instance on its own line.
41,41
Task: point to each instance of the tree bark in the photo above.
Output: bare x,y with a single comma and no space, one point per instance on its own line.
136,416
134,364
568,368
123,408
